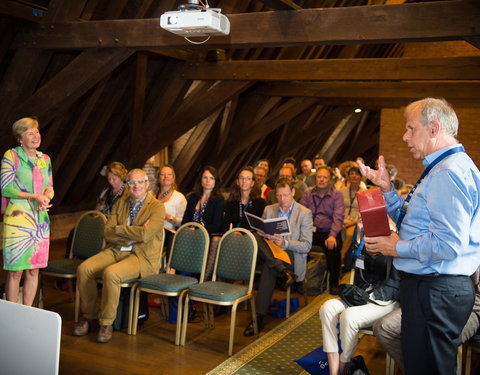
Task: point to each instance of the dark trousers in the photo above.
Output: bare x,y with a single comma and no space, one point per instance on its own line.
434,312
271,268
333,256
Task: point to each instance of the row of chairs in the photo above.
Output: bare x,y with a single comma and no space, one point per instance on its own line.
231,284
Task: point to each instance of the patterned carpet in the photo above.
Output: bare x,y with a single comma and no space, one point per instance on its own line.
274,352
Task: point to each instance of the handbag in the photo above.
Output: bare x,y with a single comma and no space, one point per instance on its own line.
353,295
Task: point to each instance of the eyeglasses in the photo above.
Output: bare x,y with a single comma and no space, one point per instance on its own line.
245,178
130,183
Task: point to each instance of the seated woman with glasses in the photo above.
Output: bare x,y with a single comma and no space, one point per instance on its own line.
245,197
205,206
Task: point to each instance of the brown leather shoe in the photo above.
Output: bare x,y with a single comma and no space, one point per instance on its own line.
105,334
84,326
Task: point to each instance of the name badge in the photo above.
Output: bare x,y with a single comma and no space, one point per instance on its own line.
359,263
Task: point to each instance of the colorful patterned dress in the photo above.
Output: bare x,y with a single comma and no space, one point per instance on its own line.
26,230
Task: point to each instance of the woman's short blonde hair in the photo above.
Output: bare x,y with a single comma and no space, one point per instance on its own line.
21,126
118,169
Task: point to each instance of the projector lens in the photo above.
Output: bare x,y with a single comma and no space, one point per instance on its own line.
172,20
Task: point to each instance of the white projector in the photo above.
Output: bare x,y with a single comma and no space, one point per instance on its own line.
202,22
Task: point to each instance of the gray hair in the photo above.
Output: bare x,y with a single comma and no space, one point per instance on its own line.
436,109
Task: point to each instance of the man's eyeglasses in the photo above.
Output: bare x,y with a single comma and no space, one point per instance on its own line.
130,183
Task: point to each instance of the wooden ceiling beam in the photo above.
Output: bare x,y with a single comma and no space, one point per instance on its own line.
23,11
72,82
190,113
411,22
281,4
282,114
444,68
370,93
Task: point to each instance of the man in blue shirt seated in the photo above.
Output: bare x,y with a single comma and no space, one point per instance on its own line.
438,245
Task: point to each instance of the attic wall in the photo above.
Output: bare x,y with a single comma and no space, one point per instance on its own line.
393,121
396,151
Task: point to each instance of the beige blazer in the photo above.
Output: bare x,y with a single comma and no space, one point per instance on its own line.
147,239
300,239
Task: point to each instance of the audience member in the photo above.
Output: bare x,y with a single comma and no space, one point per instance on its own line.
174,202
318,162
205,206
269,179
308,175
133,234
327,209
116,175
352,212
27,189
260,178
289,174
397,182
245,197
296,245
383,294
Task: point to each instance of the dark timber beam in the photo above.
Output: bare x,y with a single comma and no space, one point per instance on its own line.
23,11
281,4
447,68
72,82
366,24
383,93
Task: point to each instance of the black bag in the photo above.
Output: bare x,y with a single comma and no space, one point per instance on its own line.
353,295
315,277
121,321
356,366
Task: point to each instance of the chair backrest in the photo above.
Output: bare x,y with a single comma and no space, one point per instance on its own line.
190,249
236,256
88,235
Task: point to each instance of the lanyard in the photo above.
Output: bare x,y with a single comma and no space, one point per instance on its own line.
133,211
404,208
242,209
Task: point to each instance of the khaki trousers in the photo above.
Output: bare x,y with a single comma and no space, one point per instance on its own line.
113,266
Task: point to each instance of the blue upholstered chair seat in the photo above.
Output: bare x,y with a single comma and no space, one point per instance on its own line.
63,266
218,291
167,282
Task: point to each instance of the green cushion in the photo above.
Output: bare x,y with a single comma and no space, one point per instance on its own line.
218,291
166,282
63,266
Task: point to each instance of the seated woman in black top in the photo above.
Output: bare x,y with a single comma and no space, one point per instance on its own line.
205,206
245,196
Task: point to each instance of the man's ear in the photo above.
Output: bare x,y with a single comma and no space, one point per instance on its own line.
434,128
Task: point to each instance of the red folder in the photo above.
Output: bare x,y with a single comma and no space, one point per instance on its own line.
373,213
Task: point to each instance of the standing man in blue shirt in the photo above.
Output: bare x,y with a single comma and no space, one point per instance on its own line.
438,246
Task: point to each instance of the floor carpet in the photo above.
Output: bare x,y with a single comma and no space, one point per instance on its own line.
275,352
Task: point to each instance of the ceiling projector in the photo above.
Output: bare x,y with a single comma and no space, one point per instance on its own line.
197,22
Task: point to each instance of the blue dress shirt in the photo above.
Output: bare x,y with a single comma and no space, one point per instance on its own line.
441,229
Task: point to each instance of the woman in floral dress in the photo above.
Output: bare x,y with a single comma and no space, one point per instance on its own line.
27,188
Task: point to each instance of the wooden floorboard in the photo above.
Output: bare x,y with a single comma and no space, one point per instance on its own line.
152,350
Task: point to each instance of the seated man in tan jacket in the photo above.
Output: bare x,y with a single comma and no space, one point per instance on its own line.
133,234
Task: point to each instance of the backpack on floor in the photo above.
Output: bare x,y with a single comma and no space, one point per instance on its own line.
316,276
121,320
